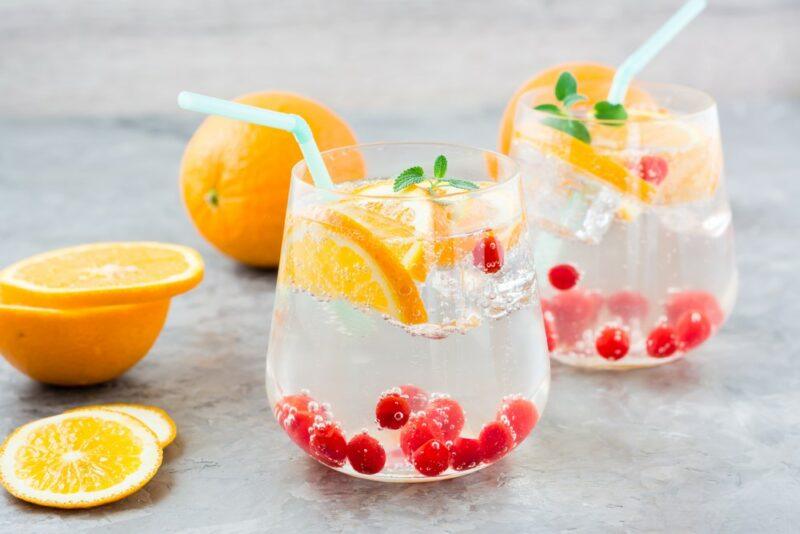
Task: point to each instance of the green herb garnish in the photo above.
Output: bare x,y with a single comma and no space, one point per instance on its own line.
416,175
563,119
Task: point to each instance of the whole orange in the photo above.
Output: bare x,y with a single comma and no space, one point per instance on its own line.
594,81
235,175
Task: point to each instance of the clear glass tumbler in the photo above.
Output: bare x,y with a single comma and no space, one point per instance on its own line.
407,339
632,226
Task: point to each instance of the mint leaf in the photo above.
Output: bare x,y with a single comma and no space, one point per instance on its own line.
565,86
440,167
570,127
408,177
549,108
573,99
461,184
610,112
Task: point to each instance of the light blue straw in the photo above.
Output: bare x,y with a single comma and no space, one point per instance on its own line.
637,61
288,122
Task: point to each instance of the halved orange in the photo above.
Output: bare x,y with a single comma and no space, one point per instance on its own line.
79,459
102,274
331,255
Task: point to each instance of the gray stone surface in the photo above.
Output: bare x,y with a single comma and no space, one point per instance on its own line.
89,150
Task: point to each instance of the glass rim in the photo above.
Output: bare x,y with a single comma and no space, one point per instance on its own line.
300,169
708,104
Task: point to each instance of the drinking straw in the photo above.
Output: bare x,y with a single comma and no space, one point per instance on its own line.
287,122
642,56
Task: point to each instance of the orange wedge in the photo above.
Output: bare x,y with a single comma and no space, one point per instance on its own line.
102,274
79,459
332,255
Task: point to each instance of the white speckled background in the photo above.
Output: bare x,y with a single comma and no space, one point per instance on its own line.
90,141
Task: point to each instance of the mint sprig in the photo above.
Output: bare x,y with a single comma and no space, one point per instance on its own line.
416,175
567,94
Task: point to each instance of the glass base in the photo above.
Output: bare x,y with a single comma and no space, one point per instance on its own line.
629,362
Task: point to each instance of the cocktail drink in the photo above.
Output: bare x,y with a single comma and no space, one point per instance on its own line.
631,223
407,339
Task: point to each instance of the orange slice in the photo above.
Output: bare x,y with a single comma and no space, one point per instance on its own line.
331,255
79,459
153,418
102,274
584,157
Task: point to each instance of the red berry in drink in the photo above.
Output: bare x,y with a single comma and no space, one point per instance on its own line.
520,414
612,343
685,301
448,414
662,341
653,169
496,439
298,426
299,403
465,453
488,254
431,458
692,329
327,443
392,411
563,276
550,330
628,305
366,454
575,311
419,429
417,397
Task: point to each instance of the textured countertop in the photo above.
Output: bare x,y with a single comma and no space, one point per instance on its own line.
711,443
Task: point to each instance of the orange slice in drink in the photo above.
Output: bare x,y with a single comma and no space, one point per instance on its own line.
331,255
102,274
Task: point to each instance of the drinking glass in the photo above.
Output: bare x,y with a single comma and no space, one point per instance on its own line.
631,225
407,340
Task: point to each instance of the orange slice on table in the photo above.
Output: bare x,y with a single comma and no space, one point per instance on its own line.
331,255
102,274
153,418
79,459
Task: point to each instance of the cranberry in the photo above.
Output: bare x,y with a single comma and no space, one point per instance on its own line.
366,454
448,414
299,403
298,426
612,343
327,443
417,397
628,305
653,169
563,276
692,329
488,254
520,414
662,342
574,311
431,458
496,438
680,303
392,411
550,330
419,429
465,453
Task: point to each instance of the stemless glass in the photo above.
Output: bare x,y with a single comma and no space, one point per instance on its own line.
632,229
407,339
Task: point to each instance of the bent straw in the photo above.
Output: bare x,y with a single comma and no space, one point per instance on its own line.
642,56
288,122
